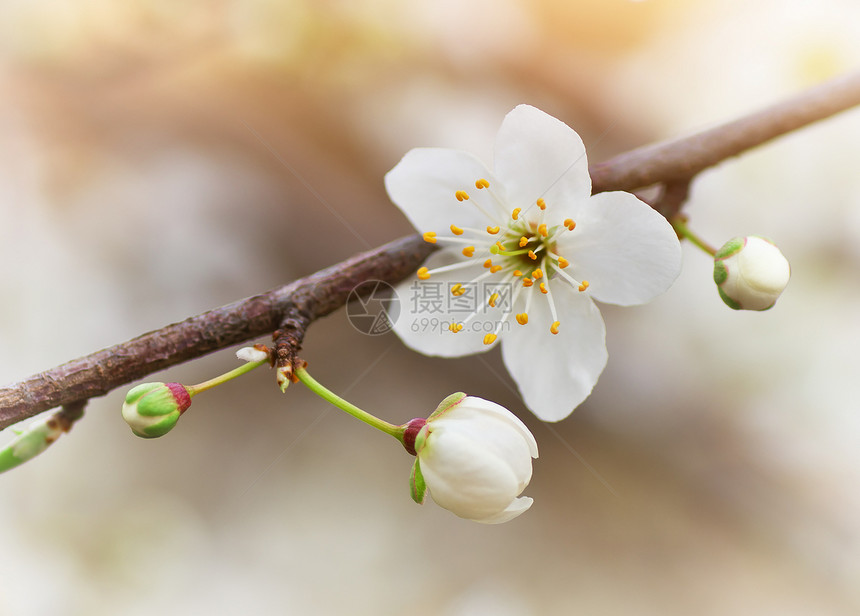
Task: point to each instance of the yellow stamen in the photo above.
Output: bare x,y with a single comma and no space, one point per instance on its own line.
500,246
543,288
542,229
495,269
457,290
523,241
537,273
532,255
584,285
492,230
554,327
461,195
493,299
488,263
568,222
562,262
516,213
541,204
489,338
482,183
456,327
517,273
522,318
430,237
456,230
527,282
423,273
469,251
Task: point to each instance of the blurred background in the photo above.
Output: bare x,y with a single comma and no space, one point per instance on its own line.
158,159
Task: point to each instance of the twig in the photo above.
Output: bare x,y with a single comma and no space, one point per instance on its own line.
315,296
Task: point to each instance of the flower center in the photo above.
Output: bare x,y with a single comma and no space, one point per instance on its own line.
516,247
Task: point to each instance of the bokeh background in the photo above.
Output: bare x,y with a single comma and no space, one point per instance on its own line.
161,158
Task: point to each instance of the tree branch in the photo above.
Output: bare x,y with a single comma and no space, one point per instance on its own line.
290,309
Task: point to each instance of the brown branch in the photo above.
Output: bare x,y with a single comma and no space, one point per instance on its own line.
290,309
681,159
314,296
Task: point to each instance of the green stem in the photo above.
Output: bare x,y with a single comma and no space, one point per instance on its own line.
246,367
681,228
325,394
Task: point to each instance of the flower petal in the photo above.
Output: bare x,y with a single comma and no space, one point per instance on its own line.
538,156
424,183
555,373
627,251
427,308
473,407
517,507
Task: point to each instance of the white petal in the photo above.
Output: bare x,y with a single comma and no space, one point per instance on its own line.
517,507
626,251
538,156
555,373
427,308
423,185
471,406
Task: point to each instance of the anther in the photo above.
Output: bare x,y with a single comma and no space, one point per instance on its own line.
469,251
542,229
461,195
430,237
522,318
457,290
532,255
495,269
537,273
568,222
562,262
543,288
489,338
523,241
492,230
554,327
584,285
493,299
423,273
527,282
455,327
482,183
517,273
516,213
500,246
541,204
456,230
488,263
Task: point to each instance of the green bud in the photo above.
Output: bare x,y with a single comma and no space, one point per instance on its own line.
152,409
31,442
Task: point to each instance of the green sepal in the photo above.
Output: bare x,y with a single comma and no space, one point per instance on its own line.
731,247
728,301
721,272
8,459
447,404
417,485
159,429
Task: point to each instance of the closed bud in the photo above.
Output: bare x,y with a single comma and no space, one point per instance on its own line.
751,273
474,457
152,409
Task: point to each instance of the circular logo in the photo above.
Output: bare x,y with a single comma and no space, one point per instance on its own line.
373,307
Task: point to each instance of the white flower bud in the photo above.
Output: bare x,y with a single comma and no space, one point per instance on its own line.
152,409
750,273
475,458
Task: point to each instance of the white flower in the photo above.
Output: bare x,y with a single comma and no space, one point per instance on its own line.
475,458
751,273
524,250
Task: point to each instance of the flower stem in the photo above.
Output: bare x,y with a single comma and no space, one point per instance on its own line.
325,394
679,223
246,367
